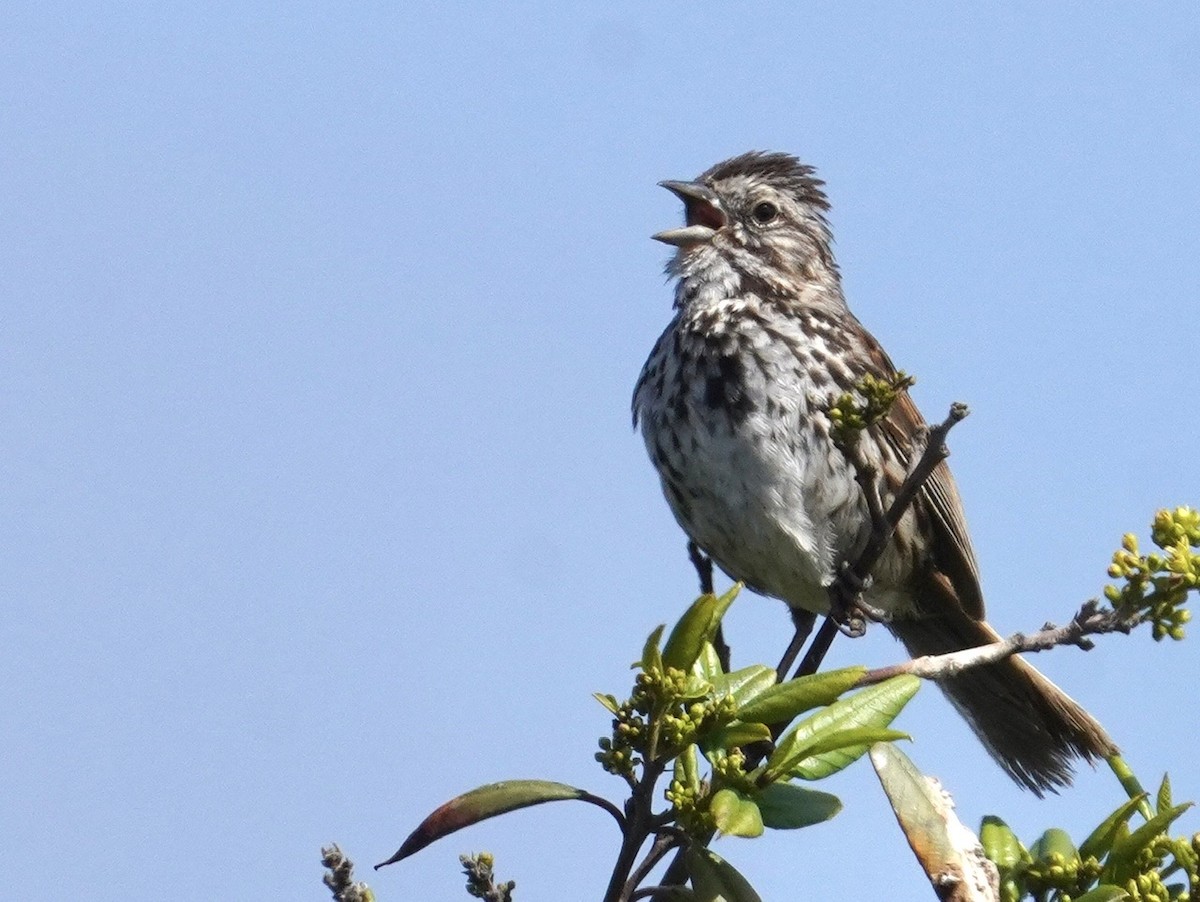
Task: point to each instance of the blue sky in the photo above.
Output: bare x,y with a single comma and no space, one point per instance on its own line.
320,326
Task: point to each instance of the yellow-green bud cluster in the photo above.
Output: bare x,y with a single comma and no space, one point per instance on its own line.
1053,871
1156,585
729,769
1149,887
1187,854
667,711
617,753
869,403
691,808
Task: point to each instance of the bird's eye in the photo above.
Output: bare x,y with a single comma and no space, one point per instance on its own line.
764,212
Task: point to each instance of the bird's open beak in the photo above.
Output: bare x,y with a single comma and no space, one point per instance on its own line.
703,214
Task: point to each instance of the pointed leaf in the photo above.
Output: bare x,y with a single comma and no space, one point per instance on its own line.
737,734
736,814
481,804
1100,841
1000,844
687,768
1122,862
651,656
746,684
716,880
872,708
786,806
695,687
719,609
833,752
779,704
609,701
688,635
1163,802
708,665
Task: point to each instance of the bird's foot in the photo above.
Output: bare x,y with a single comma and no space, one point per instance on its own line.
849,610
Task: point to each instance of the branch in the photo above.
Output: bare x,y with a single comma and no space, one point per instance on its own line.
845,592
1091,620
339,877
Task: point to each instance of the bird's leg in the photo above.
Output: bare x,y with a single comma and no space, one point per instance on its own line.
803,621
846,606
703,564
820,645
704,572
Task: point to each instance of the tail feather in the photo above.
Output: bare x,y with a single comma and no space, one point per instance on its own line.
1032,728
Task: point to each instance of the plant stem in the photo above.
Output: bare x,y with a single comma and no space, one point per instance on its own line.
639,818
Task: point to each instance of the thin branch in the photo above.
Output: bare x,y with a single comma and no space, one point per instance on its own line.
339,876
638,817
845,591
649,892
663,843
1091,620
601,802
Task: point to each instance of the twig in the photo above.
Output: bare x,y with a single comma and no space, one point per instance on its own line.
1091,620
340,877
846,590
663,843
638,824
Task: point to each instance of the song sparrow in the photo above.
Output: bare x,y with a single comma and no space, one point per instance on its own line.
733,406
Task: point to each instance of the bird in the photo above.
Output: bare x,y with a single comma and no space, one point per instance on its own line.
733,406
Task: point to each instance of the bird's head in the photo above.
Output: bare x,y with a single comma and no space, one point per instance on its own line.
763,214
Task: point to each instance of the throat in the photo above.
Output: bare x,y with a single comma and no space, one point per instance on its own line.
706,278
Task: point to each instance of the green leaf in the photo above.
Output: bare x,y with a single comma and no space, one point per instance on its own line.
481,804
1100,841
746,684
830,752
779,704
1163,802
651,656
1122,862
723,604
708,665
687,768
736,814
715,880
872,708
1000,844
786,806
688,635
1054,841
609,701
1106,892
736,735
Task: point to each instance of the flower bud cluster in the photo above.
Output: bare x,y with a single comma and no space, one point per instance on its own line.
1156,585
667,711
729,769
1053,871
690,804
870,402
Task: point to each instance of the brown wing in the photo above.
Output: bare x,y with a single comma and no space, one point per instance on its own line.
950,543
